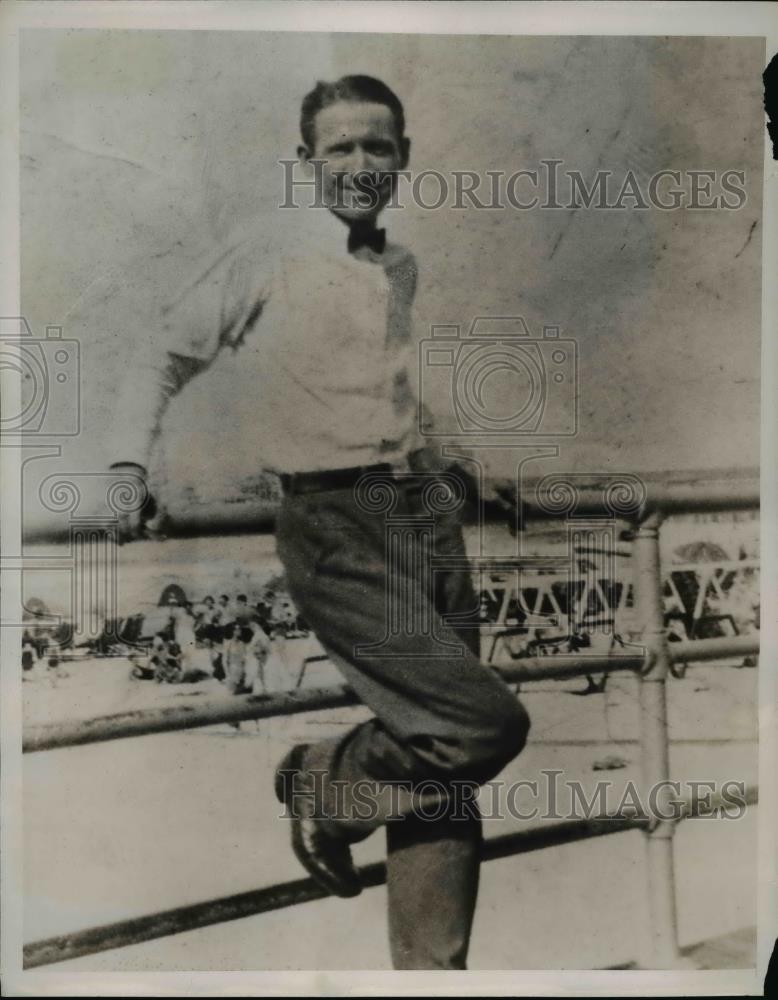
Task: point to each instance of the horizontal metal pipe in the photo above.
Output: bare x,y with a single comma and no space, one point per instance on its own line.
246,904
669,497
731,490
557,665
65,947
736,489
219,517
717,648
144,722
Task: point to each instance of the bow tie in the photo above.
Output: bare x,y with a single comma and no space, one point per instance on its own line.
364,235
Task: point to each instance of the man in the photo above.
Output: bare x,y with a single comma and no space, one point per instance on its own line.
182,632
224,608
246,651
243,640
285,617
203,615
322,326
222,619
243,613
28,654
165,658
264,608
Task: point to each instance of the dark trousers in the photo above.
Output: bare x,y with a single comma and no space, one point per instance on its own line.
441,716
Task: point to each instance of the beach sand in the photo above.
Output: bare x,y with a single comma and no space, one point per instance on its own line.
133,826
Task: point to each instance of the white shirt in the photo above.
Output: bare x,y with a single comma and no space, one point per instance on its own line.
323,353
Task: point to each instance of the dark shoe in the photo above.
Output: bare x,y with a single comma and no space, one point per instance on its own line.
325,857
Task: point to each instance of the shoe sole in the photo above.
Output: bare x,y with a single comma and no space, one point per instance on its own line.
291,763
334,886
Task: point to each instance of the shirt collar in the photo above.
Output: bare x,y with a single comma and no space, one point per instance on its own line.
327,233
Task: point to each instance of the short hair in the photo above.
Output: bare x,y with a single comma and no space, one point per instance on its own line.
224,597
355,88
207,598
242,598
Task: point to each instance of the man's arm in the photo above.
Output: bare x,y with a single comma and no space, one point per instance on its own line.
211,312
143,399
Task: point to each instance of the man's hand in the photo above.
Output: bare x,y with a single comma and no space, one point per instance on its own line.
499,496
503,497
132,520
429,459
498,499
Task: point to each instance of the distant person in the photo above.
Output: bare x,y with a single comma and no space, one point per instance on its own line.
169,670
38,638
285,616
158,657
247,649
222,618
225,610
203,615
263,609
232,662
237,640
28,656
183,634
243,613
261,649
54,670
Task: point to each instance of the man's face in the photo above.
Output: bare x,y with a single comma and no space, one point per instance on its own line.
355,137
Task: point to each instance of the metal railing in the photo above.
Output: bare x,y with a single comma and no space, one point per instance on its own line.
243,708
651,665
276,897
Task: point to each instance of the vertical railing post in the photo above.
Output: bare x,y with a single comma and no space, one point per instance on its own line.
662,952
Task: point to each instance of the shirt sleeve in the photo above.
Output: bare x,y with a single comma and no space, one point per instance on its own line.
180,337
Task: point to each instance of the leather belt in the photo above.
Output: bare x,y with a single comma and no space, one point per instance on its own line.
295,483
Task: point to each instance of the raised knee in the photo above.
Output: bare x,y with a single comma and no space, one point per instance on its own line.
501,736
484,747
512,727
